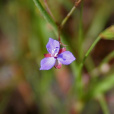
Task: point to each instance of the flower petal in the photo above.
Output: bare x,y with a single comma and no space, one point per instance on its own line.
66,57
47,63
53,46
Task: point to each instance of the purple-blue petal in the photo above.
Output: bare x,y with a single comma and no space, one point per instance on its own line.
53,46
47,63
66,57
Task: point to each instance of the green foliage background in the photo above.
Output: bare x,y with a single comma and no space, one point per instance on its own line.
86,86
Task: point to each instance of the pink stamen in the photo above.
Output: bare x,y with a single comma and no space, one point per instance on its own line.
47,55
62,50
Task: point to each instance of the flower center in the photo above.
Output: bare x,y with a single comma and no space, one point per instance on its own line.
55,52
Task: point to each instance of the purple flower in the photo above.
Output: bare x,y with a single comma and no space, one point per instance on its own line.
56,56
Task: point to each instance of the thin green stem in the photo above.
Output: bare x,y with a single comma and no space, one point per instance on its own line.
80,36
79,77
69,14
67,17
79,84
88,52
91,48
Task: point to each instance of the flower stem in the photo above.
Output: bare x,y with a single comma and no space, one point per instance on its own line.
80,52
91,48
79,77
67,17
80,34
69,14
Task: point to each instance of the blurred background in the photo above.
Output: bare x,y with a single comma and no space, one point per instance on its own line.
24,33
